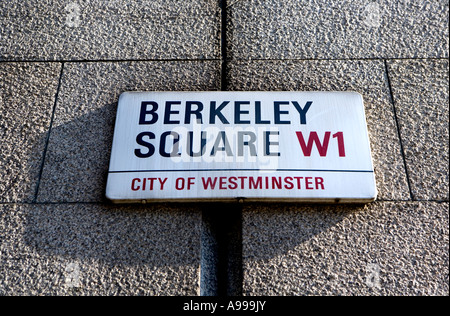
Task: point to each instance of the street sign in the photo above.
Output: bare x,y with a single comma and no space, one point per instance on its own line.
251,146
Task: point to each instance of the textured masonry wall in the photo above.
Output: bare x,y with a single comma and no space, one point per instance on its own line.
63,65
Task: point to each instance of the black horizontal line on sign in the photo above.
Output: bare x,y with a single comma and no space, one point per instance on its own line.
274,170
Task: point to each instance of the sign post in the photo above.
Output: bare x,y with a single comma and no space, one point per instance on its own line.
255,146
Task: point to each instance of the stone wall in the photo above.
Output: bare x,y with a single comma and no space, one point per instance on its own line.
63,65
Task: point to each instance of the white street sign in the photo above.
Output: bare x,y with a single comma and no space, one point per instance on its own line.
274,146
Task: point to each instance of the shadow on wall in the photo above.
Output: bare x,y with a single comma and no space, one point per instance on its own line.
158,235
275,229
68,216
76,167
73,219
77,162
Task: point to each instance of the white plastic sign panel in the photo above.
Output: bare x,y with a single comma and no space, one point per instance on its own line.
275,146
